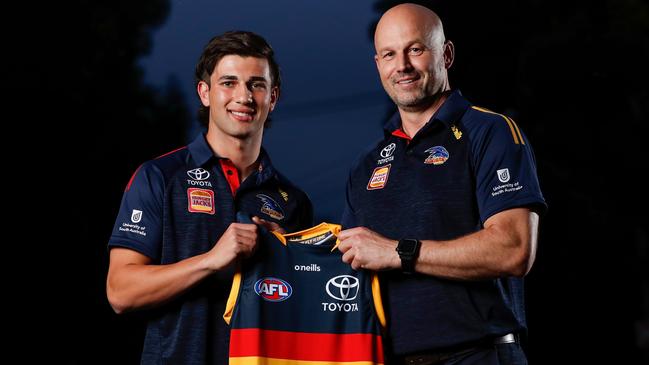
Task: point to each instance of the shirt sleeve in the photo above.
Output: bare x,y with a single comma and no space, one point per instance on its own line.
505,169
139,222
348,219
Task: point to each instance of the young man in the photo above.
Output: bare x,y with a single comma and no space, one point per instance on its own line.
175,241
447,204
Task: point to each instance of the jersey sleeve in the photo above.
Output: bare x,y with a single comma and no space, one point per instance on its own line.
505,169
139,222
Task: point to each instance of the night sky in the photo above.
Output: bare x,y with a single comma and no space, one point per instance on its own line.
107,85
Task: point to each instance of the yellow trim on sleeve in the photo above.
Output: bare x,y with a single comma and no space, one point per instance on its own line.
378,303
234,294
510,123
518,131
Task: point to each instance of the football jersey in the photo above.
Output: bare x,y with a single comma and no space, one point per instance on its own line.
296,301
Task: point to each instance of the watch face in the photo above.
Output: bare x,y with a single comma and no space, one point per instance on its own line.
407,246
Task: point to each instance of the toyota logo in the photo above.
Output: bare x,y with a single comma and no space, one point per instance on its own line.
343,287
388,150
198,174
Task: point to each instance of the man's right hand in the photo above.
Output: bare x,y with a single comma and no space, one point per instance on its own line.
239,240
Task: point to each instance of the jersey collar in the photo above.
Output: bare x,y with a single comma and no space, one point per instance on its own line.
449,113
202,153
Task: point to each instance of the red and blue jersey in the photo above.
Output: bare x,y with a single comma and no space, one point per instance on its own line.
295,301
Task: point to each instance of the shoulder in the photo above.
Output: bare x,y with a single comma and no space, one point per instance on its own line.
370,153
159,169
289,187
483,124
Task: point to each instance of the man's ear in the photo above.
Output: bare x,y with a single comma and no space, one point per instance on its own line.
449,54
274,96
203,90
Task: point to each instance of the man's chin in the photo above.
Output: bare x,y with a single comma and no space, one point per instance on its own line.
411,104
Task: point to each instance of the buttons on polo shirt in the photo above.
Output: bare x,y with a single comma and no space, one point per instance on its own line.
409,151
229,172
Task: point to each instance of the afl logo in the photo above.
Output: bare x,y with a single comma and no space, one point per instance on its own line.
198,174
388,150
343,287
273,289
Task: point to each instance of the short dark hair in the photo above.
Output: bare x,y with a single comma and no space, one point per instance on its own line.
240,43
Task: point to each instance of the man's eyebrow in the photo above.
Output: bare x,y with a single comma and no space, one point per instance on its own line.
228,77
258,78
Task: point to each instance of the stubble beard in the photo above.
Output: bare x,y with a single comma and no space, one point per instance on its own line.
418,100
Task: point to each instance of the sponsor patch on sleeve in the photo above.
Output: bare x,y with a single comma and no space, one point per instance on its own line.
379,177
200,201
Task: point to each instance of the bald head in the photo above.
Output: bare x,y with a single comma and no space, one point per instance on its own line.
409,19
413,57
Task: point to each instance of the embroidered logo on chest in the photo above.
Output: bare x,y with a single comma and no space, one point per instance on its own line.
200,201
270,207
379,177
437,155
199,177
386,154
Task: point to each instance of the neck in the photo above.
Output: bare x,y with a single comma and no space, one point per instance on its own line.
413,119
243,152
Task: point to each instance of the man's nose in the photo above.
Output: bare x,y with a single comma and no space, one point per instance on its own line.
403,63
243,94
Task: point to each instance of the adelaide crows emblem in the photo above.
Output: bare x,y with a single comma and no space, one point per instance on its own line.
270,207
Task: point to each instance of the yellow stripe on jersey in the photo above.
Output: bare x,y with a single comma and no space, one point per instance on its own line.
256,360
234,294
512,126
378,304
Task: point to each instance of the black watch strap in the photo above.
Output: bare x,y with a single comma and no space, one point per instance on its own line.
408,250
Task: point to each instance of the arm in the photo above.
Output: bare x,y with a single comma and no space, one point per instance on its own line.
134,283
506,246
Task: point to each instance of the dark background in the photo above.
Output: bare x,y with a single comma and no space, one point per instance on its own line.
573,74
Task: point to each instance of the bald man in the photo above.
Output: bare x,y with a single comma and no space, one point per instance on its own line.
446,205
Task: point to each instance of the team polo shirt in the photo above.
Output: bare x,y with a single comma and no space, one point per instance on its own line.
178,206
463,166
296,302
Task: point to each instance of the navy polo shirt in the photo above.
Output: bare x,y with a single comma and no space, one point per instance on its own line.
465,165
178,206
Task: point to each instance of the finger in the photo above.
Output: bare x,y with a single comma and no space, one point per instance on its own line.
270,226
246,236
244,226
348,257
348,233
356,265
344,246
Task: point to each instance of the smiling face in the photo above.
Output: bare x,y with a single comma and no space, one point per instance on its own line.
239,97
412,57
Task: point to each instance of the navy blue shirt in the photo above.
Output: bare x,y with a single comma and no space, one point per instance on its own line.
178,206
465,165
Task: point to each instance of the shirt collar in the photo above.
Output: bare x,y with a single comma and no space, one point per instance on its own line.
202,153
200,150
449,113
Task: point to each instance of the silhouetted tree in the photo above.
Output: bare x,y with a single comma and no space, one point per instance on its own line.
91,120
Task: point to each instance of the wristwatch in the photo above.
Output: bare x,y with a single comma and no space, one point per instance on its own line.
408,250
